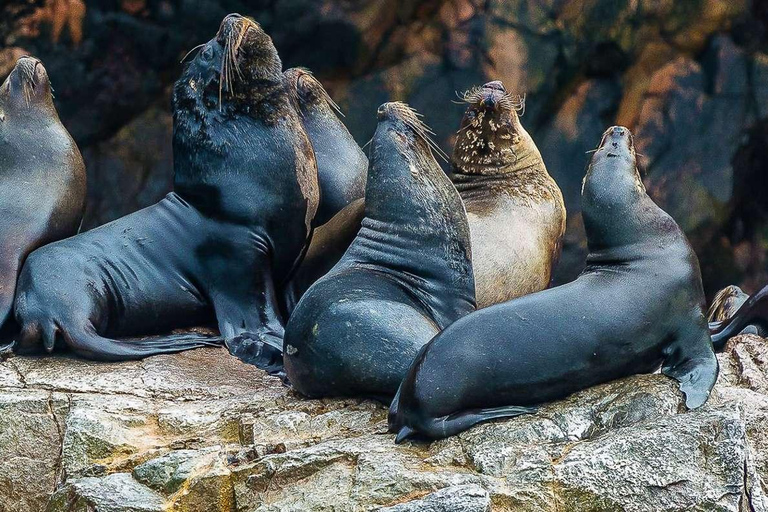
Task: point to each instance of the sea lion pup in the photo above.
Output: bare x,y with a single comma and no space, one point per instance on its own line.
515,209
245,196
42,176
341,164
406,276
638,304
734,312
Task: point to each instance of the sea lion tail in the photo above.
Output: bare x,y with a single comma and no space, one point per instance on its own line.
751,314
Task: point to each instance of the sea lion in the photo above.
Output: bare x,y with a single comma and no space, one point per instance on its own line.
515,209
245,195
638,305
342,168
341,164
406,276
725,304
42,176
734,312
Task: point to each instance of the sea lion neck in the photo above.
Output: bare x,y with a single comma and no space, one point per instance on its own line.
615,206
415,223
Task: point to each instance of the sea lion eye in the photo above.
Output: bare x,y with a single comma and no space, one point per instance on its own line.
207,53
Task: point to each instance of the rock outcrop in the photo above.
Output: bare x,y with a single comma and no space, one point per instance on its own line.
202,431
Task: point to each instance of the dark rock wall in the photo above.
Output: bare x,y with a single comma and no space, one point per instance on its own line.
689,77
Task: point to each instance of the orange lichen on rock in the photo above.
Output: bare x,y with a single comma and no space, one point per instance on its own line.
59,14
133,7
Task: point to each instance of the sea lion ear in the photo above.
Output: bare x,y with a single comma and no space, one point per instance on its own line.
696,375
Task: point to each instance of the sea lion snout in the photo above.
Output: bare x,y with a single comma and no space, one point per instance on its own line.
617,140
28,81
232,22
495,84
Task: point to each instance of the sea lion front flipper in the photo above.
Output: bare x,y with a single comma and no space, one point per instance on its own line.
261,349
249,319
9,271
694,366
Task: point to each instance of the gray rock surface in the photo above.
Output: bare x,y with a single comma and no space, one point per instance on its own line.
201,431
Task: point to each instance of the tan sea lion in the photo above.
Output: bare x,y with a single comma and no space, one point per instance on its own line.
515,209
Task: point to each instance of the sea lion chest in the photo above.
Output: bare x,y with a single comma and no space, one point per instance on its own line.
514,239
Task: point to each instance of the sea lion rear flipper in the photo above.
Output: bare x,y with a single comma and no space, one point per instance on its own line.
452,424
90,345
696,372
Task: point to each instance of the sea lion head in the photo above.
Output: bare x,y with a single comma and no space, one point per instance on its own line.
233,73
490,138
725,304
615,159
307,93
400,128
26,87
612,193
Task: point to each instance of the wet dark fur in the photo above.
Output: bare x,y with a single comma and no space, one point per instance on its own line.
406,275
217,247
638,305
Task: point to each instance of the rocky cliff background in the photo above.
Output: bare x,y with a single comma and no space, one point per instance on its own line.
689,77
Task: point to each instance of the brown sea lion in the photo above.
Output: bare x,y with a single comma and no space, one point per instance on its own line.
515,209
734,312
42,176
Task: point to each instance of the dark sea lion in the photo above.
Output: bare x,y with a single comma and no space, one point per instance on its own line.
245,196
406,276
734,312
515,209
638,305
42,176
342,168
341,164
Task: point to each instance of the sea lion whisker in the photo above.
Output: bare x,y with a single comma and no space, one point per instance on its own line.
412,118
190,51
323,93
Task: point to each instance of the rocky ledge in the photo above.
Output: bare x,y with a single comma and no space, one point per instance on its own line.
200,431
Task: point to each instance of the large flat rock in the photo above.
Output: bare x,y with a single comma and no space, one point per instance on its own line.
202,431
